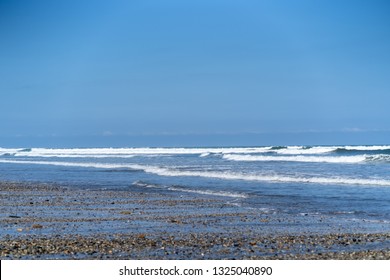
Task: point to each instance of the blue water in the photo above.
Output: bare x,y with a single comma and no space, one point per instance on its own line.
352,182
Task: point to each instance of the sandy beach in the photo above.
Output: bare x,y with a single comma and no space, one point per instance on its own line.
42,221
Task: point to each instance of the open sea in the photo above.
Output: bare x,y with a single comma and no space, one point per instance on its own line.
351,182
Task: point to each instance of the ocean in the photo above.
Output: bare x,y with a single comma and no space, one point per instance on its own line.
350,182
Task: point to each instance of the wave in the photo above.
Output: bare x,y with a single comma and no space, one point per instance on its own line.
226,175
378,158
266,178
186,190
367,150
278,148
202,152
25,150
8,152
312,150
318,159
69,164
126,152
305,150
75,155
322,159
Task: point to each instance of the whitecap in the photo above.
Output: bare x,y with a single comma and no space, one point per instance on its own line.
323,159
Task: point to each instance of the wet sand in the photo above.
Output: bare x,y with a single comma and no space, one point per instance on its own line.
40,221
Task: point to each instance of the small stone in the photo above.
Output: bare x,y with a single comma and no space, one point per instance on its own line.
37,226
141,236
125,212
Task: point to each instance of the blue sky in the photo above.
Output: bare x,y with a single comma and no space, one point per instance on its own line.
194,72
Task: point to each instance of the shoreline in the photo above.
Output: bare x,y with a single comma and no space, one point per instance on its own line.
45,221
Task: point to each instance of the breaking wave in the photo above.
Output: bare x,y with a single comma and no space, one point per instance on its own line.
226,175
322,159
312,150
304,150
202,152
125,152
327,159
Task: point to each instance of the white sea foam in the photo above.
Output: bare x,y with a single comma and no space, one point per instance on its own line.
4,151
126,152
378,158
228,175
367,148
301,150
264,177
209,192
187,190
326,159
203,152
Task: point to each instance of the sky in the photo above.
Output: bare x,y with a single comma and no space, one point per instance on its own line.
194,73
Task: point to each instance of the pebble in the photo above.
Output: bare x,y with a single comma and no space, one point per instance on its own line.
37,226
126,212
